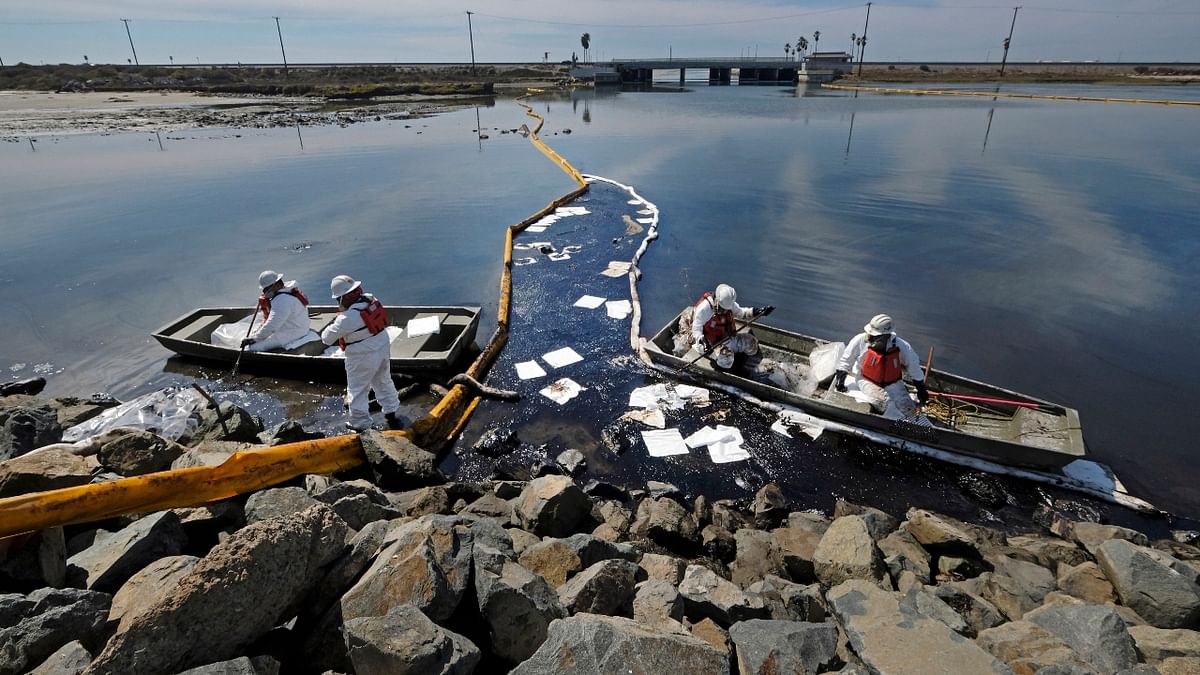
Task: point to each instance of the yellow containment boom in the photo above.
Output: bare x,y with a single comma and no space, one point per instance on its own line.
253,470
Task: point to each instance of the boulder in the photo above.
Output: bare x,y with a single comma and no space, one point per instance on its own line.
210,453
243,665
398,464
424,501
944,535
425,562
552,506
663,568
149,587
1050,552
1156,644
604,588
717,542
517,607
770,507
1092,535
522,540
496,441
1027,647
613,514
25,426
358,511
588,643
1087,582
927,604
572,461
114,557
553,559
892,638
244,587
707,595
139,452
1015,586
70,659
239,426
34,627
330,491
47,470
656,602
274,502
31,386
847,551
290,431
879,524
72,410
1179,665
713,634
965,599
667,523
1161,589
901,551
725,514
592,550
797,547
34,561
404,641
757,557
767,646
489,506
1096,633
787,601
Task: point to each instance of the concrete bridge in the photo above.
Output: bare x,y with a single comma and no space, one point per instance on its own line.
720,69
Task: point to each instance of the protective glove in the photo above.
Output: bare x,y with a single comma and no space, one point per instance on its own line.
703,346
839,380
767,310
922,392
247,342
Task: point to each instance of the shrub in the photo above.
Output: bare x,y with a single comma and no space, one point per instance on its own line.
924,68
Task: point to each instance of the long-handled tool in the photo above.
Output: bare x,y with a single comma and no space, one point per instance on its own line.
238,362
757,315
989,399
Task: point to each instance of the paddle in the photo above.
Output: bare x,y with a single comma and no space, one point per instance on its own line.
238,362
757,315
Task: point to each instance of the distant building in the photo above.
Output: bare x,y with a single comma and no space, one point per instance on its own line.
839,62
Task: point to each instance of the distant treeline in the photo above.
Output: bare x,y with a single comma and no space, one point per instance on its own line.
330,82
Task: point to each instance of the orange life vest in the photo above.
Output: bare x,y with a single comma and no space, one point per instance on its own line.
721,325
882,368
374,318
264,303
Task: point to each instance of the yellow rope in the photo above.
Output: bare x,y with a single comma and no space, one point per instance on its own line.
1005,94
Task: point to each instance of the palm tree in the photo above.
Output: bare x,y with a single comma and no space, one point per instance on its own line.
803,42
586,41
816,39
853,41
787,51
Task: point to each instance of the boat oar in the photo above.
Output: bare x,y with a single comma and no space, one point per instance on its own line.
238,362
988,399
757,315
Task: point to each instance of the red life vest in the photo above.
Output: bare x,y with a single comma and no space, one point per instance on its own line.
882,368
264,303
721,325
374,318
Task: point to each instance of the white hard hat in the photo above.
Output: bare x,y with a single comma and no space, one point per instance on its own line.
268,278
880,324
342,284
726,296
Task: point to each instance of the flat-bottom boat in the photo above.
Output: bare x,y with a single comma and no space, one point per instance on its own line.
190,335
978,419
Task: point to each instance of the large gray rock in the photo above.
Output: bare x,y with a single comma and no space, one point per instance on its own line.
553,560
404,641
34,627
656,602
260,665
797,546
1027,647
358,511
1050,551
517,607
766,646
923,602
666,522
70,659
592,550
114,557
211,453
274,502
588,644
706,595
47,470
770,507
241,425
757,556
901,551
944,535
25,426
663,567
1160,588
398,464
847,551
1087,582
1156,644
603,588
1015,586
552,506
891,638
964,598
339,577
1092,535
1096,633
788,601
879,524
153,584
424,502
336,491
244,587
425,562
139,452
39,561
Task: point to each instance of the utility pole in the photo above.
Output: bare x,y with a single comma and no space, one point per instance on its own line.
1008,40
130,35
471,35
280,32
863,48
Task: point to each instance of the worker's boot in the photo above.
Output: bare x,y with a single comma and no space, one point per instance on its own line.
394,421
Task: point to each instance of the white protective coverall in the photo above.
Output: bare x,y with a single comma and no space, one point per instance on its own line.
896,393
367,365
287,326
741,343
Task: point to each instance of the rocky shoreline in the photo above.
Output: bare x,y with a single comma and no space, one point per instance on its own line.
394,567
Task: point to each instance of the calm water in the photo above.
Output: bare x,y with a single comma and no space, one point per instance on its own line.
1048,247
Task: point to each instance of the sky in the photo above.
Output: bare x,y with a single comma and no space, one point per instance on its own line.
321,31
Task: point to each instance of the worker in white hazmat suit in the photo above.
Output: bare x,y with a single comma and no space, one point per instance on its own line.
879,359
715,320
360,329
285,315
